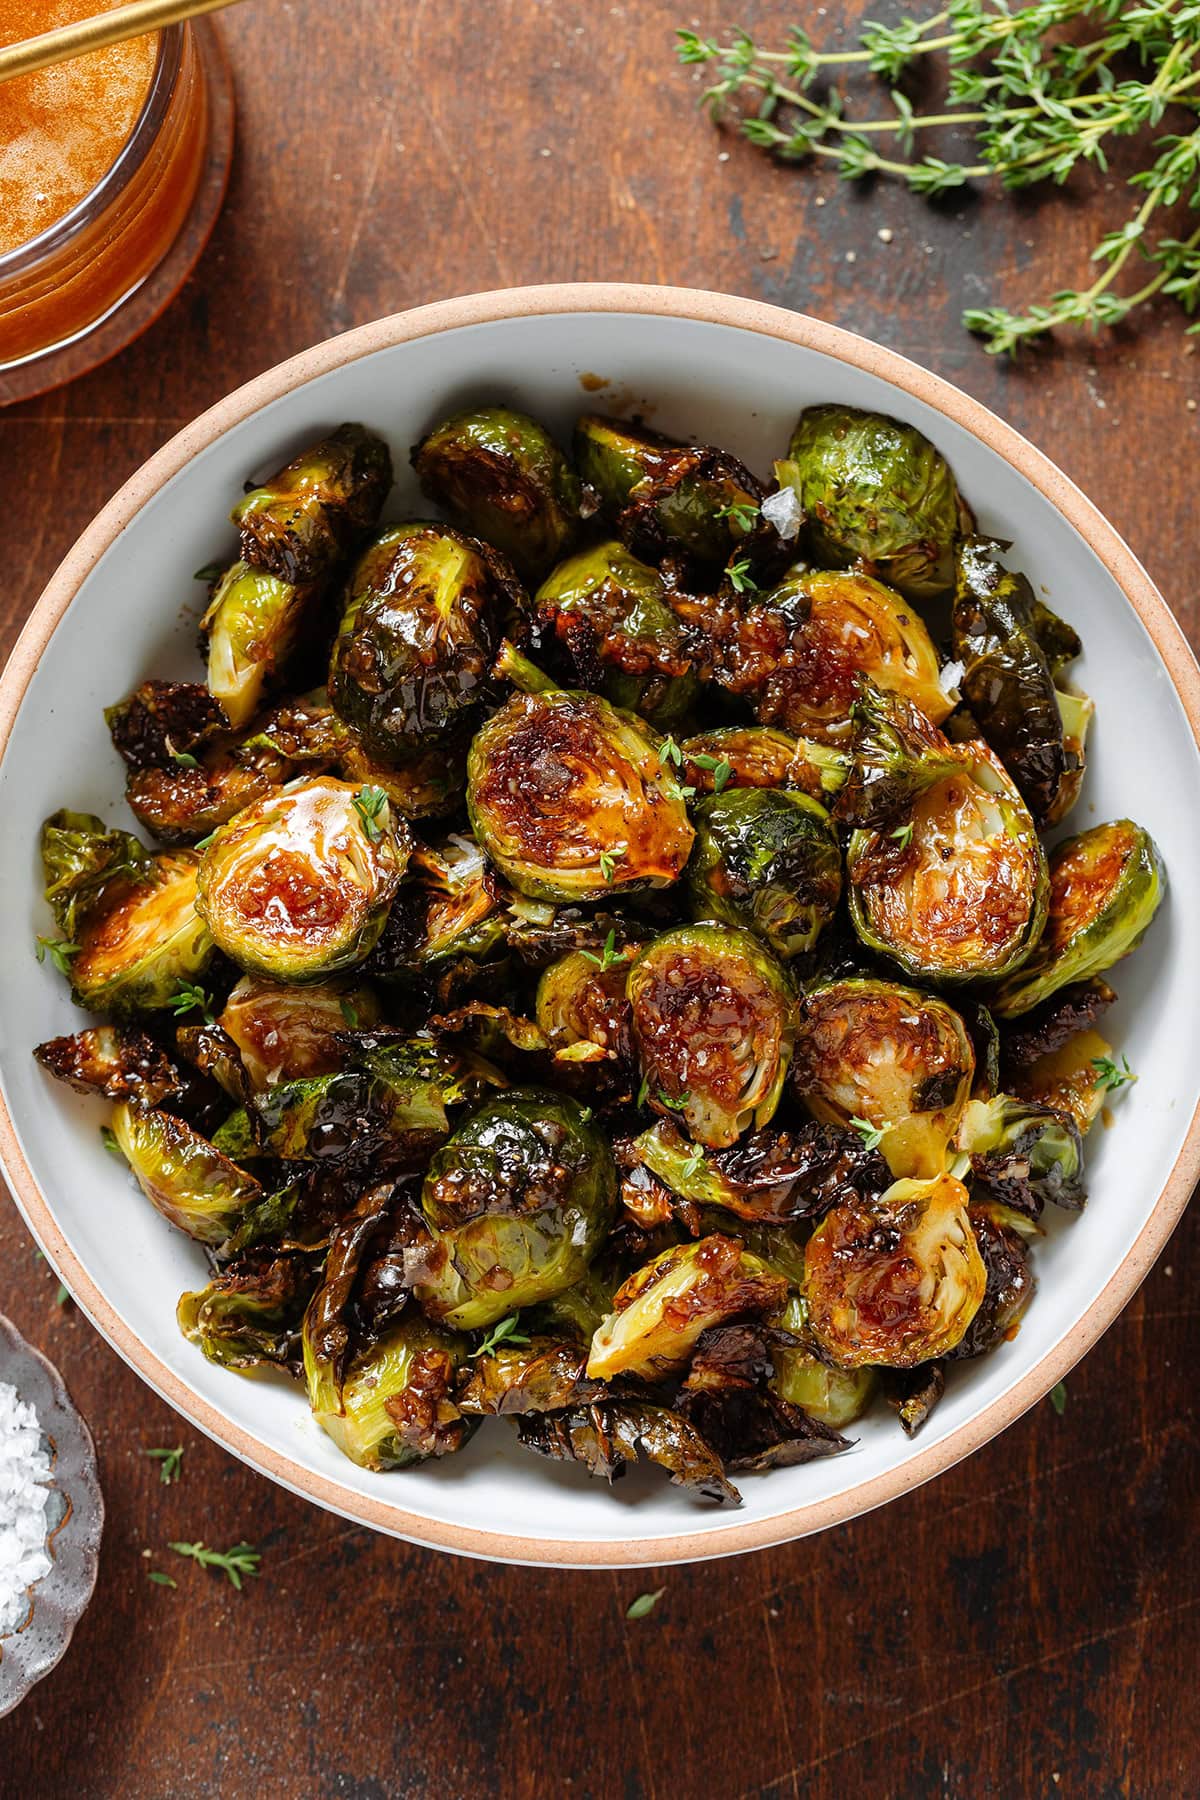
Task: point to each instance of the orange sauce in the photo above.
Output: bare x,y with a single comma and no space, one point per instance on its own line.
61,129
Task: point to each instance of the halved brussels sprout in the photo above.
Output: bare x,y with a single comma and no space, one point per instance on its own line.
583,1008
895,1281
757,756
610,611
953,888
1008,683
890,1058
799,653
181,804
143,941
518,1203
713,1017
1069,1080
253,625
769,1176
541,1375
428,784
499,474
571,800
394,1405
119,1062
425,607
767,859
1023,1153
1052,1024
162,720
837,1397
304,519
289,1034
450,911
898,754
660,1312
729,1397
83,861
664,496
182,1175
610,1435
249,1316
875,491
387,1105
1105,887
297,886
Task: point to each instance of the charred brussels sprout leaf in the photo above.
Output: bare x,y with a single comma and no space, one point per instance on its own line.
713,1017
387,1105
749,1424
424,610
1023,1154
897,1059
251,1313
501,475
1008,683
1051,1024
1010,1282
297,886
895,1281
570,799
183,1175
394,1405
952,886
543,1375
287,1034
1105,887
770,1176
163,721
661,1311
756,756
898,755
82,861
609,1435
769,860
610,612
253,625
518,1202
117,1061
875,491
799,654
665,497
142,941
300,523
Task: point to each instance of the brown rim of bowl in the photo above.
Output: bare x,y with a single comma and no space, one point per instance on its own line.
663,302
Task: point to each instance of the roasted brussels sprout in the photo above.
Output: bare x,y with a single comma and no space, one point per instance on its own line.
953,885
874,490
1008,683
835,1397
119,1062
571,799
768,1176
767,859
1069,1079
665,497
249,1316
253,625
83,862
1010,1279
583,1008
890,1058
756,756
609,1435
181,1174
297,886
1105,887
1052,1024
541,1374
518,1202
610,612
895,1281
163,720
181,804
289,1034
748,1423
1023,1154
142,942
300,523
394,1405
424,611
660,1312
386,1107
798,654
499,474
713,1018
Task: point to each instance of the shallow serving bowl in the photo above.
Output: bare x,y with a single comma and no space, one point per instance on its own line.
123,605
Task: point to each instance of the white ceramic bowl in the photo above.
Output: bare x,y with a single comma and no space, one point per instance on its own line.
123,606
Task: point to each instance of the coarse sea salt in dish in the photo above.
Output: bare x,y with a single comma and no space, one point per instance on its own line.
25,1495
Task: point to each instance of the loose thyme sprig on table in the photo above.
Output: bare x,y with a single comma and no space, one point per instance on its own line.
1039,106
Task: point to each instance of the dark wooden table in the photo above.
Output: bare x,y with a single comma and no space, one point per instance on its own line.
1028,1625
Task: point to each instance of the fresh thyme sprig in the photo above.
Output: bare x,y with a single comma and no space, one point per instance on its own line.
242,1560
1046,87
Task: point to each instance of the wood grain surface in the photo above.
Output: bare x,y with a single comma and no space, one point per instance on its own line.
1029,1624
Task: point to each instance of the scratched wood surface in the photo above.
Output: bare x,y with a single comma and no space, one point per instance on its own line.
1028,1625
